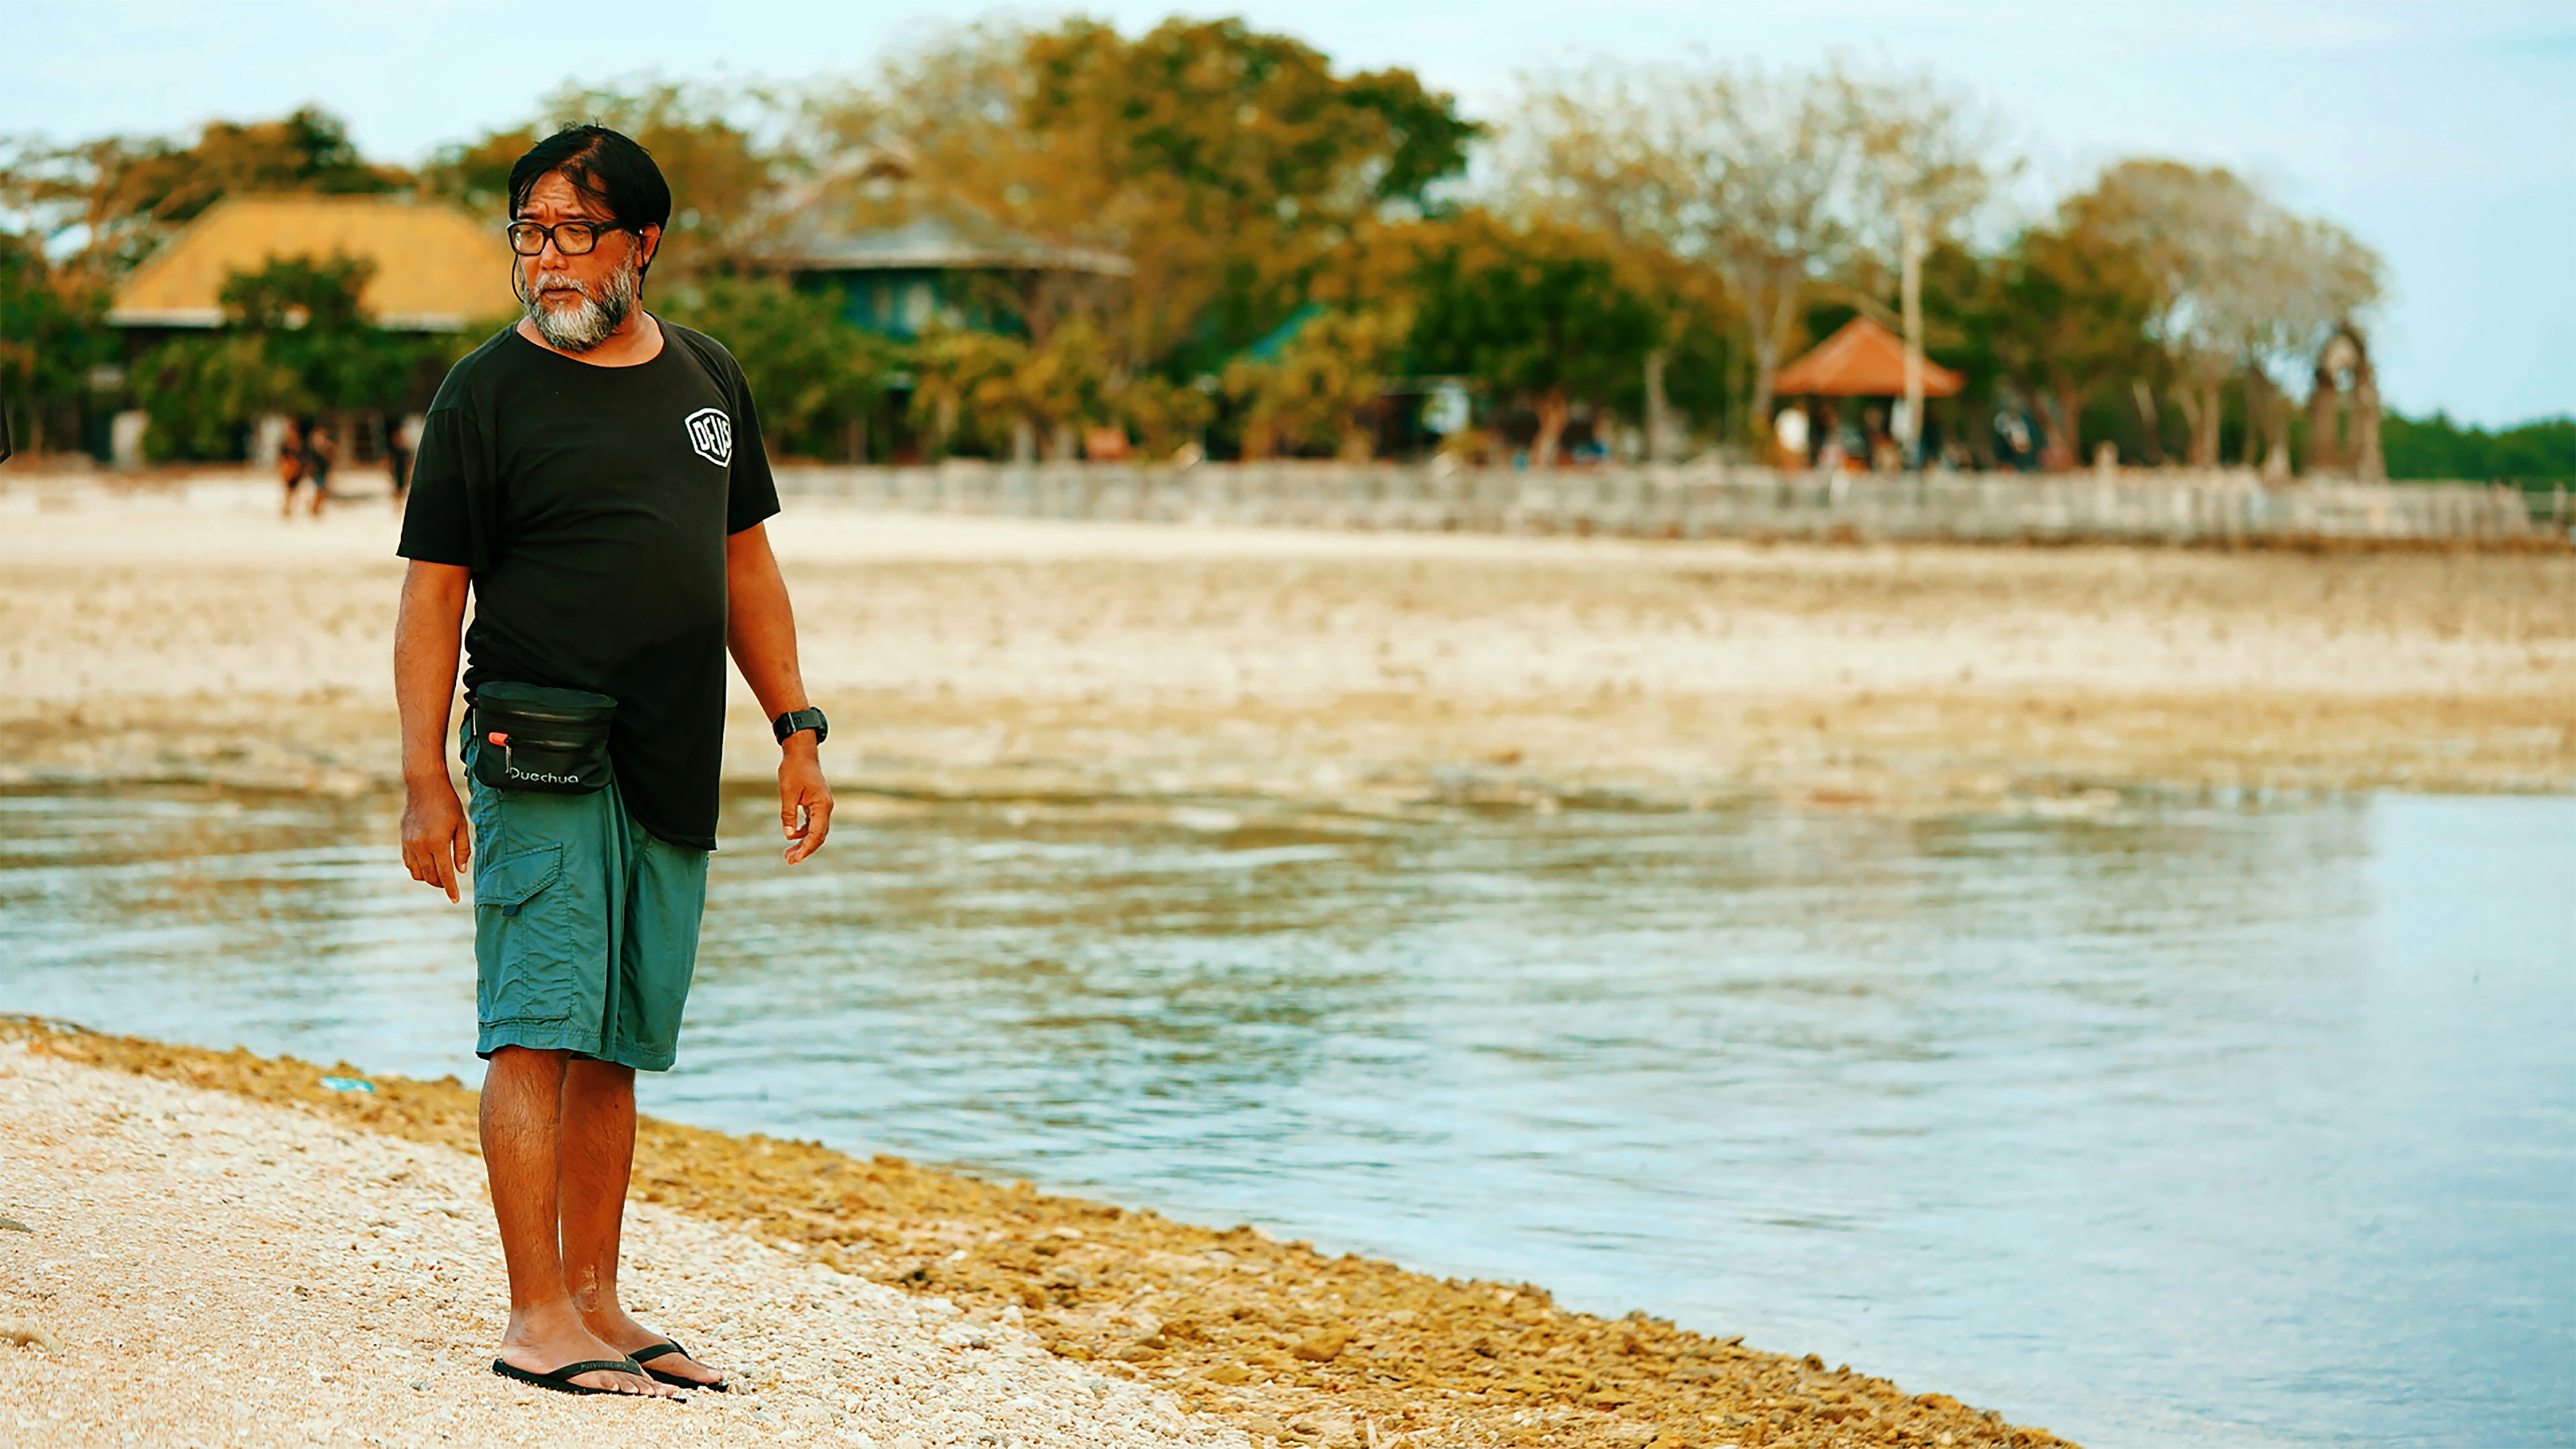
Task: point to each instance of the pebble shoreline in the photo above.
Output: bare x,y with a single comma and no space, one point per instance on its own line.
197,1268
223,1222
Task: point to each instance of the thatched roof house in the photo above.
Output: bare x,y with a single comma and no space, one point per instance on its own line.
437,269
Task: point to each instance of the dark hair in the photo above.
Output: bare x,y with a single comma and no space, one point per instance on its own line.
609,169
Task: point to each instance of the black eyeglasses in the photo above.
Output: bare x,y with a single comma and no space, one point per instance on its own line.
572,238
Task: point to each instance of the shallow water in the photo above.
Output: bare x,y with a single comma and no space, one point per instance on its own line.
2177,1126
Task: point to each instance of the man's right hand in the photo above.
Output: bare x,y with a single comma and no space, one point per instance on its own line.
435,843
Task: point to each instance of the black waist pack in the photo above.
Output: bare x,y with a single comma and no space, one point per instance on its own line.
527,737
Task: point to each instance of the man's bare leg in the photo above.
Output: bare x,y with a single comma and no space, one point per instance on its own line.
523,1097
598,1156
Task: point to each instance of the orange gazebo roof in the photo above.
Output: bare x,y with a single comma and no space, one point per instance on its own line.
1862,359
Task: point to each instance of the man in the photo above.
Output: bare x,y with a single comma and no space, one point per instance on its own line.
594,477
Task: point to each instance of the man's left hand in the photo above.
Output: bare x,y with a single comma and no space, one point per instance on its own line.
804,801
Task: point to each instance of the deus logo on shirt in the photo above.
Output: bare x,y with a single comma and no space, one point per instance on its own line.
711,434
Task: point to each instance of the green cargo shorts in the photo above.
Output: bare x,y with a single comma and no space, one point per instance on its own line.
585,926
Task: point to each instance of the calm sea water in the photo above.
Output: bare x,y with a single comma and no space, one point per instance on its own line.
2180,1126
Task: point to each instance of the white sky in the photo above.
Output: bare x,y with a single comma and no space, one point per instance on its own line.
2442,132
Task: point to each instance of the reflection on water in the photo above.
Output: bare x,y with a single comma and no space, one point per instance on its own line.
2187,1126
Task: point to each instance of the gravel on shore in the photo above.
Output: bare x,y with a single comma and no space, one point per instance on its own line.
223,1250
181,1266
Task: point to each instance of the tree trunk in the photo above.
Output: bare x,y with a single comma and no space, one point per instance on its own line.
1024,441
2202,408
2064,426
2275,409
2256,385
2368,463
2150,425
1768,333
1656,408
1911,435
1554,410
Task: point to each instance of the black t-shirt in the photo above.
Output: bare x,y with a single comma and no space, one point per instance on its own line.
593,504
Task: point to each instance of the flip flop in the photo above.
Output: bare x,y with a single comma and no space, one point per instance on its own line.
561,1380
665,1349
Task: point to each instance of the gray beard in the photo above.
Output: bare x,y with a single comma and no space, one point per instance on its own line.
583,327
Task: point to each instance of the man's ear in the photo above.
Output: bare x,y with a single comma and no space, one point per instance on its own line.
651,240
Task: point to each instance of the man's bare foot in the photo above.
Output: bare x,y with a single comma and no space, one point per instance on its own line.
618,1328
543,1343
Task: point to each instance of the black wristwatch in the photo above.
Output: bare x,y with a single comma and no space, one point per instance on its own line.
802,719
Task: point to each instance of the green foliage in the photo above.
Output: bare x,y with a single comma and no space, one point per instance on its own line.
1236,178
51,335
1540,314
1244,120
950,368
298,341
200,391
1228,166
1160,414
2073,313
810,371
718,172
306,316
118,197
980,392
299,294
1313,395
2540,451
475,174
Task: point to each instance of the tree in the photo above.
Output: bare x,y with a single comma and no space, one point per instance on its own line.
950,367
52,333
81,215
2314,278
2244,287
978,387
1314,394
1538,314
809,370
2073,311
112,200
307,317
1225,164
2540,451
200,391
297,340
1777,180
725,183
1161,414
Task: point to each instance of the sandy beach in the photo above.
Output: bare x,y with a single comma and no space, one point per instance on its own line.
188,1213
328,1285
190,633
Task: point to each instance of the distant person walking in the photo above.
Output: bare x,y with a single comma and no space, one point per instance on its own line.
290,466
304,456
593,477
